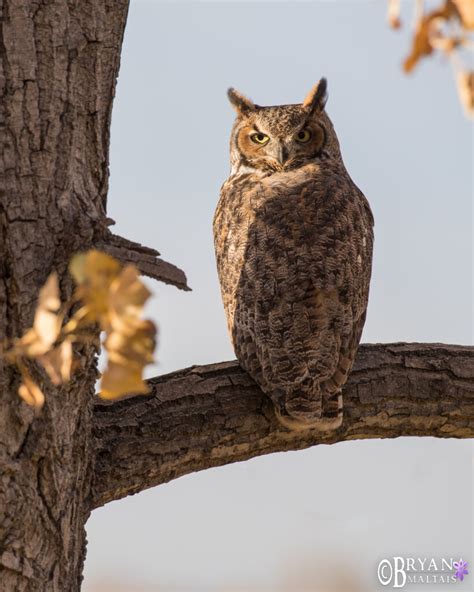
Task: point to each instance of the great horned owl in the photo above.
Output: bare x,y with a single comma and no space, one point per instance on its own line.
293,238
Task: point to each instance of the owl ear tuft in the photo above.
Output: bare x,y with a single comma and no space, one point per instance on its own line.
317,97
240,102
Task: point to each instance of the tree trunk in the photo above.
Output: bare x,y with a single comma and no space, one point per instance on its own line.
59,62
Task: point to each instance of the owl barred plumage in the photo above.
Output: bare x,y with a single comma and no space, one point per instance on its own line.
293,239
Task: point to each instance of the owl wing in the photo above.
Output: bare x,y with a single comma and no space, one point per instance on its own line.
303,262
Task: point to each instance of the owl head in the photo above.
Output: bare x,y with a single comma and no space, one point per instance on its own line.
282,137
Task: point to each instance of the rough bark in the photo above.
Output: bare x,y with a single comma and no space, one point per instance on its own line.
58,68
207,416
145,259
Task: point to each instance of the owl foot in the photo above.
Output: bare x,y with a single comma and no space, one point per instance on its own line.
302,414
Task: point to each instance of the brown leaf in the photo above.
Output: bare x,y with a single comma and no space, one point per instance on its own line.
93,273
114,297
127,295
93,266
466,13
111,296
465,82
46,325
427,33
129,351
30,392
119,380
394,14
135,345
421,46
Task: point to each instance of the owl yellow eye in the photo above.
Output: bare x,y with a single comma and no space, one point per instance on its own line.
303,136
259,138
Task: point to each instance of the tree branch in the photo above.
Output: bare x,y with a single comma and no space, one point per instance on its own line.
145,258
207,416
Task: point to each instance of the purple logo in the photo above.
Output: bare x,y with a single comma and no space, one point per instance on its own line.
401,572
461,569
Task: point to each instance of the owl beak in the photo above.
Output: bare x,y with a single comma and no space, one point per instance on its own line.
281,153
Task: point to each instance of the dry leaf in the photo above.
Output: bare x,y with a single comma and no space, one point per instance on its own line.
114,297
136,345
130,341
128,352
466,12
447,30
394,14
94,267
111,296
128,294
465,82
421,46
430,32
119,380
93,272
30,392
47,322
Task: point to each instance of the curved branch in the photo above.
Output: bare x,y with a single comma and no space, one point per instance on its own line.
207,416
146,260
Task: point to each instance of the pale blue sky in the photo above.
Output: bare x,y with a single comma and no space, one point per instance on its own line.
408,147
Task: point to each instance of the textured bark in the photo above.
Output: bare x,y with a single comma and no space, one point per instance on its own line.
58,66
207,416
145,259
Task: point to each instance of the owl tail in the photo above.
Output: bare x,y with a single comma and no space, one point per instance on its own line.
311,410
316,405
